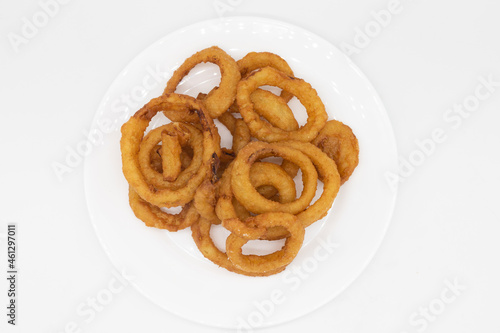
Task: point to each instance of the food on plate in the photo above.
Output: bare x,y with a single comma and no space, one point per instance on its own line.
274,109
256,60
249,188
205,199
220,98
170,152
269,262
132,138
339,142
247,194
234,214
327,173
153,216
201,236
262,130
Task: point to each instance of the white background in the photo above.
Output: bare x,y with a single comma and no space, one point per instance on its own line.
446,221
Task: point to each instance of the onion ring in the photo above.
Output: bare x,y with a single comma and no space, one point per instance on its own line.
192,137
262,130
132,133
327,172
275,260
272,175
277,112
256,60
228,208
201,236
205,199
153,216
340,144
156,160
248,196
274,109
171,156
220,98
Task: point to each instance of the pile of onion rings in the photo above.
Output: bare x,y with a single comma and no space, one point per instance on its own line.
182,163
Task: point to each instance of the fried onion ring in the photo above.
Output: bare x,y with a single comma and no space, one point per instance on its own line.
205,199
132,134
270,174
220,98
153,216
256,60
340,144
156,160
201,236
327,172
274,109
186,135
262,130
171,155
248,196
181,164
275,260
229,208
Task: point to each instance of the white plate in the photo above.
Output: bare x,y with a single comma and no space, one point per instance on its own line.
167,267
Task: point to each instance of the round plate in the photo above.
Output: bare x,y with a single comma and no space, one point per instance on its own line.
167,267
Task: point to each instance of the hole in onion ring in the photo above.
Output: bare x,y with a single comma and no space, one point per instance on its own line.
158,120
299,111
219,234
171,210
263,247
201,79
275,90
226,139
